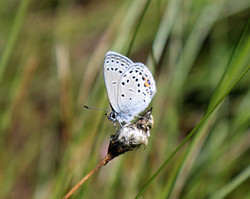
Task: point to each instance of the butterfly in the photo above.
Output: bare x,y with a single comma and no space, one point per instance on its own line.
130,87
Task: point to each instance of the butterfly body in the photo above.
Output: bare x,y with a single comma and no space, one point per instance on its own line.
130,87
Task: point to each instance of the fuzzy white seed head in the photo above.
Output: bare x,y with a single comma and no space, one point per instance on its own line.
131,136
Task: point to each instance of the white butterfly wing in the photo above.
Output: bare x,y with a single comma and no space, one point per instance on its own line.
136,90
115,65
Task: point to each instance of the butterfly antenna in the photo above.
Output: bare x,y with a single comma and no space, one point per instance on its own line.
102,109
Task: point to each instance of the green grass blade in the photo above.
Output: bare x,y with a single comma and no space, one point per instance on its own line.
137,28
167,21
13,36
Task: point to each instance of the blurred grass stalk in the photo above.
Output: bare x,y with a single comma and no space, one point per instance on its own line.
234,183
22,11
64,76
6,55
8,126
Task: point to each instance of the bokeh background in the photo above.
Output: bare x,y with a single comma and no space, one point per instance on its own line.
51,55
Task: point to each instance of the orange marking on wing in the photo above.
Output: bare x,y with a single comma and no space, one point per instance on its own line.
147,83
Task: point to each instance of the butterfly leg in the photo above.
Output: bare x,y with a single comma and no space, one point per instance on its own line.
115,125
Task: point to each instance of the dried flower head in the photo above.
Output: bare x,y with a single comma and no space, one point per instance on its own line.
131,136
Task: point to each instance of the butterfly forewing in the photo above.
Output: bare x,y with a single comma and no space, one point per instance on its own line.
115,65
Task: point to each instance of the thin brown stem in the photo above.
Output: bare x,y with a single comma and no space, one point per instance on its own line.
104,161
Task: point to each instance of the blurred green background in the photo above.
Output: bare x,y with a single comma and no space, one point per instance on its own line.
51,55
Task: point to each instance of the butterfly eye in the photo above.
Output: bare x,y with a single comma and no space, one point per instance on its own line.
112,115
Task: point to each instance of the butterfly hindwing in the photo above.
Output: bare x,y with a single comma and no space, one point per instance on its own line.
114,66
135,91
